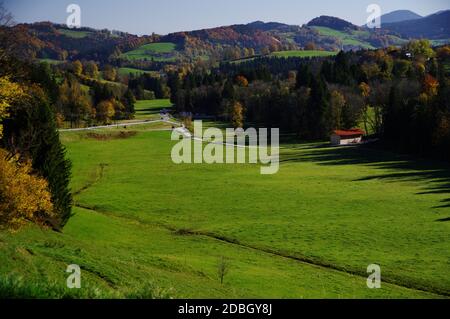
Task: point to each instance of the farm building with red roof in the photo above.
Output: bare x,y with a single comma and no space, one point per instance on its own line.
347,137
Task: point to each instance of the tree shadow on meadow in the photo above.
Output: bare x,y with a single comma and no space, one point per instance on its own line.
434,175
151,111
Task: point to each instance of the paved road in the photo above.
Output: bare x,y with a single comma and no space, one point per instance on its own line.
119,125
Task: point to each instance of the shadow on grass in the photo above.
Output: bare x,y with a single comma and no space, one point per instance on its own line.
434,175
151,111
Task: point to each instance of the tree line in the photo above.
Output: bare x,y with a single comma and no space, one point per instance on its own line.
400,95
34,172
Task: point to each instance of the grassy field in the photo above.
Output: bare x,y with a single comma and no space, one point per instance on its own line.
292,53
353,39
144,226
302,54
74,33
136,72
50,61
150,109
161,52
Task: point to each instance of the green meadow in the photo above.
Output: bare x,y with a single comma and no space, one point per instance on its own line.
151,109
133,71
160,52
292,54
51,61
355,38
74,33
144,227
302,54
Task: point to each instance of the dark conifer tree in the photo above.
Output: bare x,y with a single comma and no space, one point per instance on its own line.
31,131
128,101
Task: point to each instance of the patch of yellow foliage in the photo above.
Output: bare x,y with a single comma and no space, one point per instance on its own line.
23,196
9,92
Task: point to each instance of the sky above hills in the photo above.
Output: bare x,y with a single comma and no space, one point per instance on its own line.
165,16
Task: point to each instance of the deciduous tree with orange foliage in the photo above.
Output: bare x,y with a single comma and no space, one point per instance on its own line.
238,115
242,81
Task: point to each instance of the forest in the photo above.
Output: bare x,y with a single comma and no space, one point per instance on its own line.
399,95
90,120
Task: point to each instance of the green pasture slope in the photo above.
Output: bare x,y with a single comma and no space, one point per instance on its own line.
161,52
74,33
355,38
291,54
303,54
133,71
50,61
151,109
143,226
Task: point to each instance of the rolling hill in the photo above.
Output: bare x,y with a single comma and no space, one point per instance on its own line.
161,52
436,26
324,33
399,16
333,23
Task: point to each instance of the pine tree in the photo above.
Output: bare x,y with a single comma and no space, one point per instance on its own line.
319,107
228,90
128,101
304,76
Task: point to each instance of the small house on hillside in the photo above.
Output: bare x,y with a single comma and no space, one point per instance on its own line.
347,137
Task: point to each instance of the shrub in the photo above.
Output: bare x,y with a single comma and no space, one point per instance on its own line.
23,196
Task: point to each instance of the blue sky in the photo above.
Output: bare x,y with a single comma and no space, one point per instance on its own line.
164,16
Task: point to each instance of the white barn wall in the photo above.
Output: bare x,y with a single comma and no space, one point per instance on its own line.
338,140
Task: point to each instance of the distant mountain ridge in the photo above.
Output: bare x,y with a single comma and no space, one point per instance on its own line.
435,26
323,33
399,16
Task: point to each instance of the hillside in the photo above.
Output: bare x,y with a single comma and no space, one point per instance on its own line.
332,23
247,35
132,243
55,42
436,26
248,161
399,16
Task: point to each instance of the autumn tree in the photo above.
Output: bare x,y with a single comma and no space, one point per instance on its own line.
430,85
77,68
31,132
265,51
421,50
443,52
337,104
105,111
119,110
91,70
9,92
310,46
73,102
365,90
109,73
242,81
237,117
23,196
